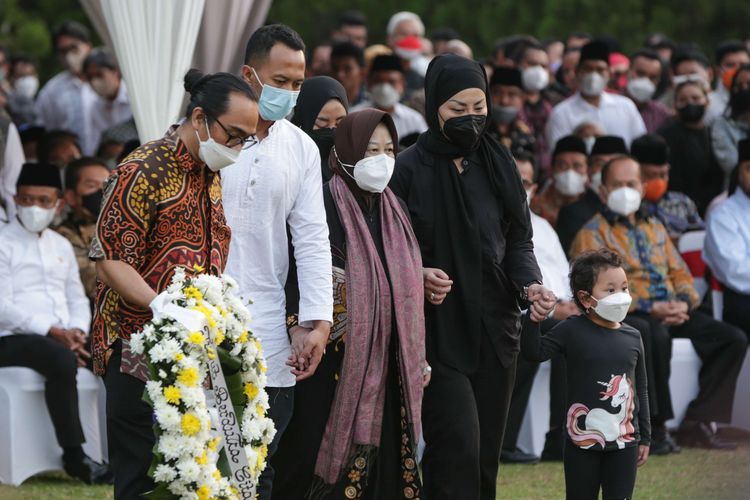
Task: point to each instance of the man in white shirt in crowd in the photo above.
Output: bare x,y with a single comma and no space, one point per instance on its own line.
386,87
11,160
617,114
111,106
44,312
554,266
277,185
65,101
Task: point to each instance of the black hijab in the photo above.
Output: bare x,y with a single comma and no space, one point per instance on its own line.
457,237
314,94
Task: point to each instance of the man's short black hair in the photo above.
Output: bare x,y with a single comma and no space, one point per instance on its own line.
102,57
608,166
729,47
264,38
73,170
352,18
444,35
348,49
52,140
523,47
688,54
585,269
647,53
71,29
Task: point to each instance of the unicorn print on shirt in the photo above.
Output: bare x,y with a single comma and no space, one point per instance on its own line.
601,426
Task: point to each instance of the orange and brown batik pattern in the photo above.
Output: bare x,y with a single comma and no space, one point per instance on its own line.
161,209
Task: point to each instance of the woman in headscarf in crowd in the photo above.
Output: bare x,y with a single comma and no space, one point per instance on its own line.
470,215
693,169
321,105
356,423
730,129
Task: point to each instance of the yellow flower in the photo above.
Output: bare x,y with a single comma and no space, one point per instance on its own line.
262,454
259,410
258,346
192,292
211,353
262,367
198,268
203,492
172,394
203,459
179,356
208,314
251,391
191,424
196,338
221,311
219,338
188,377
243,337
213,444
217,475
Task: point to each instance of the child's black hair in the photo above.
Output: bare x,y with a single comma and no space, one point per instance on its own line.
585,269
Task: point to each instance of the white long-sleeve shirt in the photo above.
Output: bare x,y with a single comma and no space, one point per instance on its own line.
617,114
13,160
107,113
727,245
551,258
275,183
41,283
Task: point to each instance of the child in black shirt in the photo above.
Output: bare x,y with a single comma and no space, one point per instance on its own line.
608,427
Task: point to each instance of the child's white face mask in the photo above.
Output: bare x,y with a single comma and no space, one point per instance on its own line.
613,307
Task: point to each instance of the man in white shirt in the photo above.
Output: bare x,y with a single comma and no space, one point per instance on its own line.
387,85
44,312
111,106
617,114
11,160
277,185
65,101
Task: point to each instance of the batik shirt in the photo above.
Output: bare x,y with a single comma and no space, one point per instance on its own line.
655,270
161,210
677,212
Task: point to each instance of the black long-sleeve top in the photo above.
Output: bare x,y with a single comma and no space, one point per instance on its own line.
607,390
508,261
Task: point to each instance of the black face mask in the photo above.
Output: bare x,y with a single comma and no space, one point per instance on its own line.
740,102
93,202
464,131
323,138
691,113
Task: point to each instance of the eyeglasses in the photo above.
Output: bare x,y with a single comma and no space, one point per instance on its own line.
26,200
234,140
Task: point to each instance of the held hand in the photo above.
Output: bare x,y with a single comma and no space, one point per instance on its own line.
542,295
437,285
537,313
314,347
643,451
663,309
296,360
675,319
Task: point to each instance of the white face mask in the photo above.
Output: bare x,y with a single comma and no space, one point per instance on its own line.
74,60
384,95
592,84
36,219
596,181
372,173
613,307
535,78
624,201
570,183
641,89
216,156
101,87
27,86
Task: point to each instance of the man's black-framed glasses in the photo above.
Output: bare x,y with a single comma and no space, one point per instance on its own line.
234,140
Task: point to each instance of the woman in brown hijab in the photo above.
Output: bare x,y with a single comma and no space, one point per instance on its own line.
356,424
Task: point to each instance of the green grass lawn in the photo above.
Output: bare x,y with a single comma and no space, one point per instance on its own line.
693,474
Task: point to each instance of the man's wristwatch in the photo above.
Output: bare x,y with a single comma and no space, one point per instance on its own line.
525,290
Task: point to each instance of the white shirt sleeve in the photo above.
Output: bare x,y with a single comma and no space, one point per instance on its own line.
79,307
555,128
638,126
312,248
14,160
12,319
725,251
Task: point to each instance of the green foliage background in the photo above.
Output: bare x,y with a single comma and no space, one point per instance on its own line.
25,24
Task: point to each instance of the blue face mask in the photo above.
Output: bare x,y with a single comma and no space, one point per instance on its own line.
275,103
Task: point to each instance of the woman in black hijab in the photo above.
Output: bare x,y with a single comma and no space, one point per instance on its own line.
321,105
469,212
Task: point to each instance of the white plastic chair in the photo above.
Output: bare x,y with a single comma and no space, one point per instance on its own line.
28,444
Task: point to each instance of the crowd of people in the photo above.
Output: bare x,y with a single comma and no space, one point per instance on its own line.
406,219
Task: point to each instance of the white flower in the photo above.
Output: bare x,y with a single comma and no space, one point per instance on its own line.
189,470
168,417
136,343
164,473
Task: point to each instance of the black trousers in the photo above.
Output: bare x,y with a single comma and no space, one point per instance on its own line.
281,407
463,418
722,348
558,387
737,310
525,373
129,431
58,365
657,347
588,470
